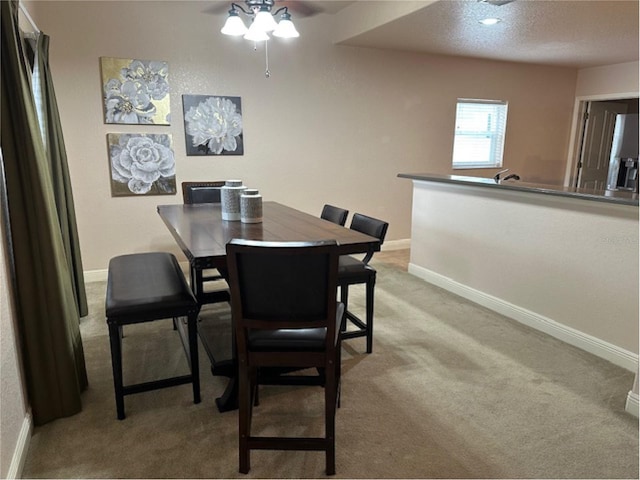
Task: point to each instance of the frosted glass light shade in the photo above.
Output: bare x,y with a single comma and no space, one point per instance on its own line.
264,20
286,29
256,34
234,26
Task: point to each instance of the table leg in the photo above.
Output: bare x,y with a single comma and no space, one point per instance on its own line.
228,401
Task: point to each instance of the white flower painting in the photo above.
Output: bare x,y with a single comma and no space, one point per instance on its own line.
141,164
213,125
136,91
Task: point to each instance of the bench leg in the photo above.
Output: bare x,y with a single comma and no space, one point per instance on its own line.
193,355
116,364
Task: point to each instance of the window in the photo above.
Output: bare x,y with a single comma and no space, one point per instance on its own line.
479,134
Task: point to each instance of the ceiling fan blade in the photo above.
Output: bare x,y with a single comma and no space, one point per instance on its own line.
300,8
219,7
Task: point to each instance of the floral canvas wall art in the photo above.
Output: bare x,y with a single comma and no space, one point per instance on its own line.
213,125
141,164
135,91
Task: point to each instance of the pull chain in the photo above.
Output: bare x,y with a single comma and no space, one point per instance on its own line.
267,72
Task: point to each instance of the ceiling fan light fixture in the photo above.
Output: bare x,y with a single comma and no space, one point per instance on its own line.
286,28
256,34
234,25
265,21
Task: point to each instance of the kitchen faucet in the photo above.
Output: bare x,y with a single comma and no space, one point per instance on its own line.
496,177
512,176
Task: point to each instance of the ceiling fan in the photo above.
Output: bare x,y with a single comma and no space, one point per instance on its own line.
300,8
266,17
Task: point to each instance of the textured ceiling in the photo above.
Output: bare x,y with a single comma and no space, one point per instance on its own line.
582,33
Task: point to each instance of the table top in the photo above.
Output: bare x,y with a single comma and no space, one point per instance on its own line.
203,235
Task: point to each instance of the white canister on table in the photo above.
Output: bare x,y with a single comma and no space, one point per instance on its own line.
251,206
230,199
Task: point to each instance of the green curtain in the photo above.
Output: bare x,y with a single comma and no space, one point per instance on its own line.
49,116
47,310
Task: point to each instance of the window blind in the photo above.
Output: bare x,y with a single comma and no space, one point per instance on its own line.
479,133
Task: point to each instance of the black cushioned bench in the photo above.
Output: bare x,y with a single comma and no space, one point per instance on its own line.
144,287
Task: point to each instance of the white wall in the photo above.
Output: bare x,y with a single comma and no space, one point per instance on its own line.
563,265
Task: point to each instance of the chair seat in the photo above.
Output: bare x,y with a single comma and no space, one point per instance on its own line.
350,268
292,340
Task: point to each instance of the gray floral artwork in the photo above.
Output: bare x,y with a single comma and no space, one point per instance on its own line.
213,125
141,164
136,91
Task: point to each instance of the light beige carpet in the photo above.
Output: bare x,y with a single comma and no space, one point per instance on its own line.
452,390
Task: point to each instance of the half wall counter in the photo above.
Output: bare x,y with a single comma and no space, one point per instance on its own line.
561,260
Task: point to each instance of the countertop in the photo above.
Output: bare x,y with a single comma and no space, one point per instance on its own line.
620,197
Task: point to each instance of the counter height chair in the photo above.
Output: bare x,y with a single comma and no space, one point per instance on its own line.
334,214
285,315
201,192
205,192
352,271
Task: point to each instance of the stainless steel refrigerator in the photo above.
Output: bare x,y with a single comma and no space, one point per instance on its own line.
623,163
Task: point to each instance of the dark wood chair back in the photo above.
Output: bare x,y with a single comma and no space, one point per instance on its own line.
282,285
334,214
369,226
201,192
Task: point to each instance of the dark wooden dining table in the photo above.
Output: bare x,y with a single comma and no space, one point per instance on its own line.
202,236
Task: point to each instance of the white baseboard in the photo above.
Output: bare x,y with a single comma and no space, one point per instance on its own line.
596,346
402,244
632,403
91,276
22,447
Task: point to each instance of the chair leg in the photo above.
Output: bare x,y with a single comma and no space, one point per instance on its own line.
339,373
244,416
256,388
115,340
193,355
330,391
198,286
344,299
371,284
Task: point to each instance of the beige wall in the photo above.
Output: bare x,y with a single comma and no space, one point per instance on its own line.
332,124
619,79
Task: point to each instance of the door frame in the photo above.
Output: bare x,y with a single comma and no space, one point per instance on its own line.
577,131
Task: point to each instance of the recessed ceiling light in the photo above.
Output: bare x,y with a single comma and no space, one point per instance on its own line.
489,21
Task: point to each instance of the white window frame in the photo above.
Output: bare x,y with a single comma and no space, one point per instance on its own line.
481,143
